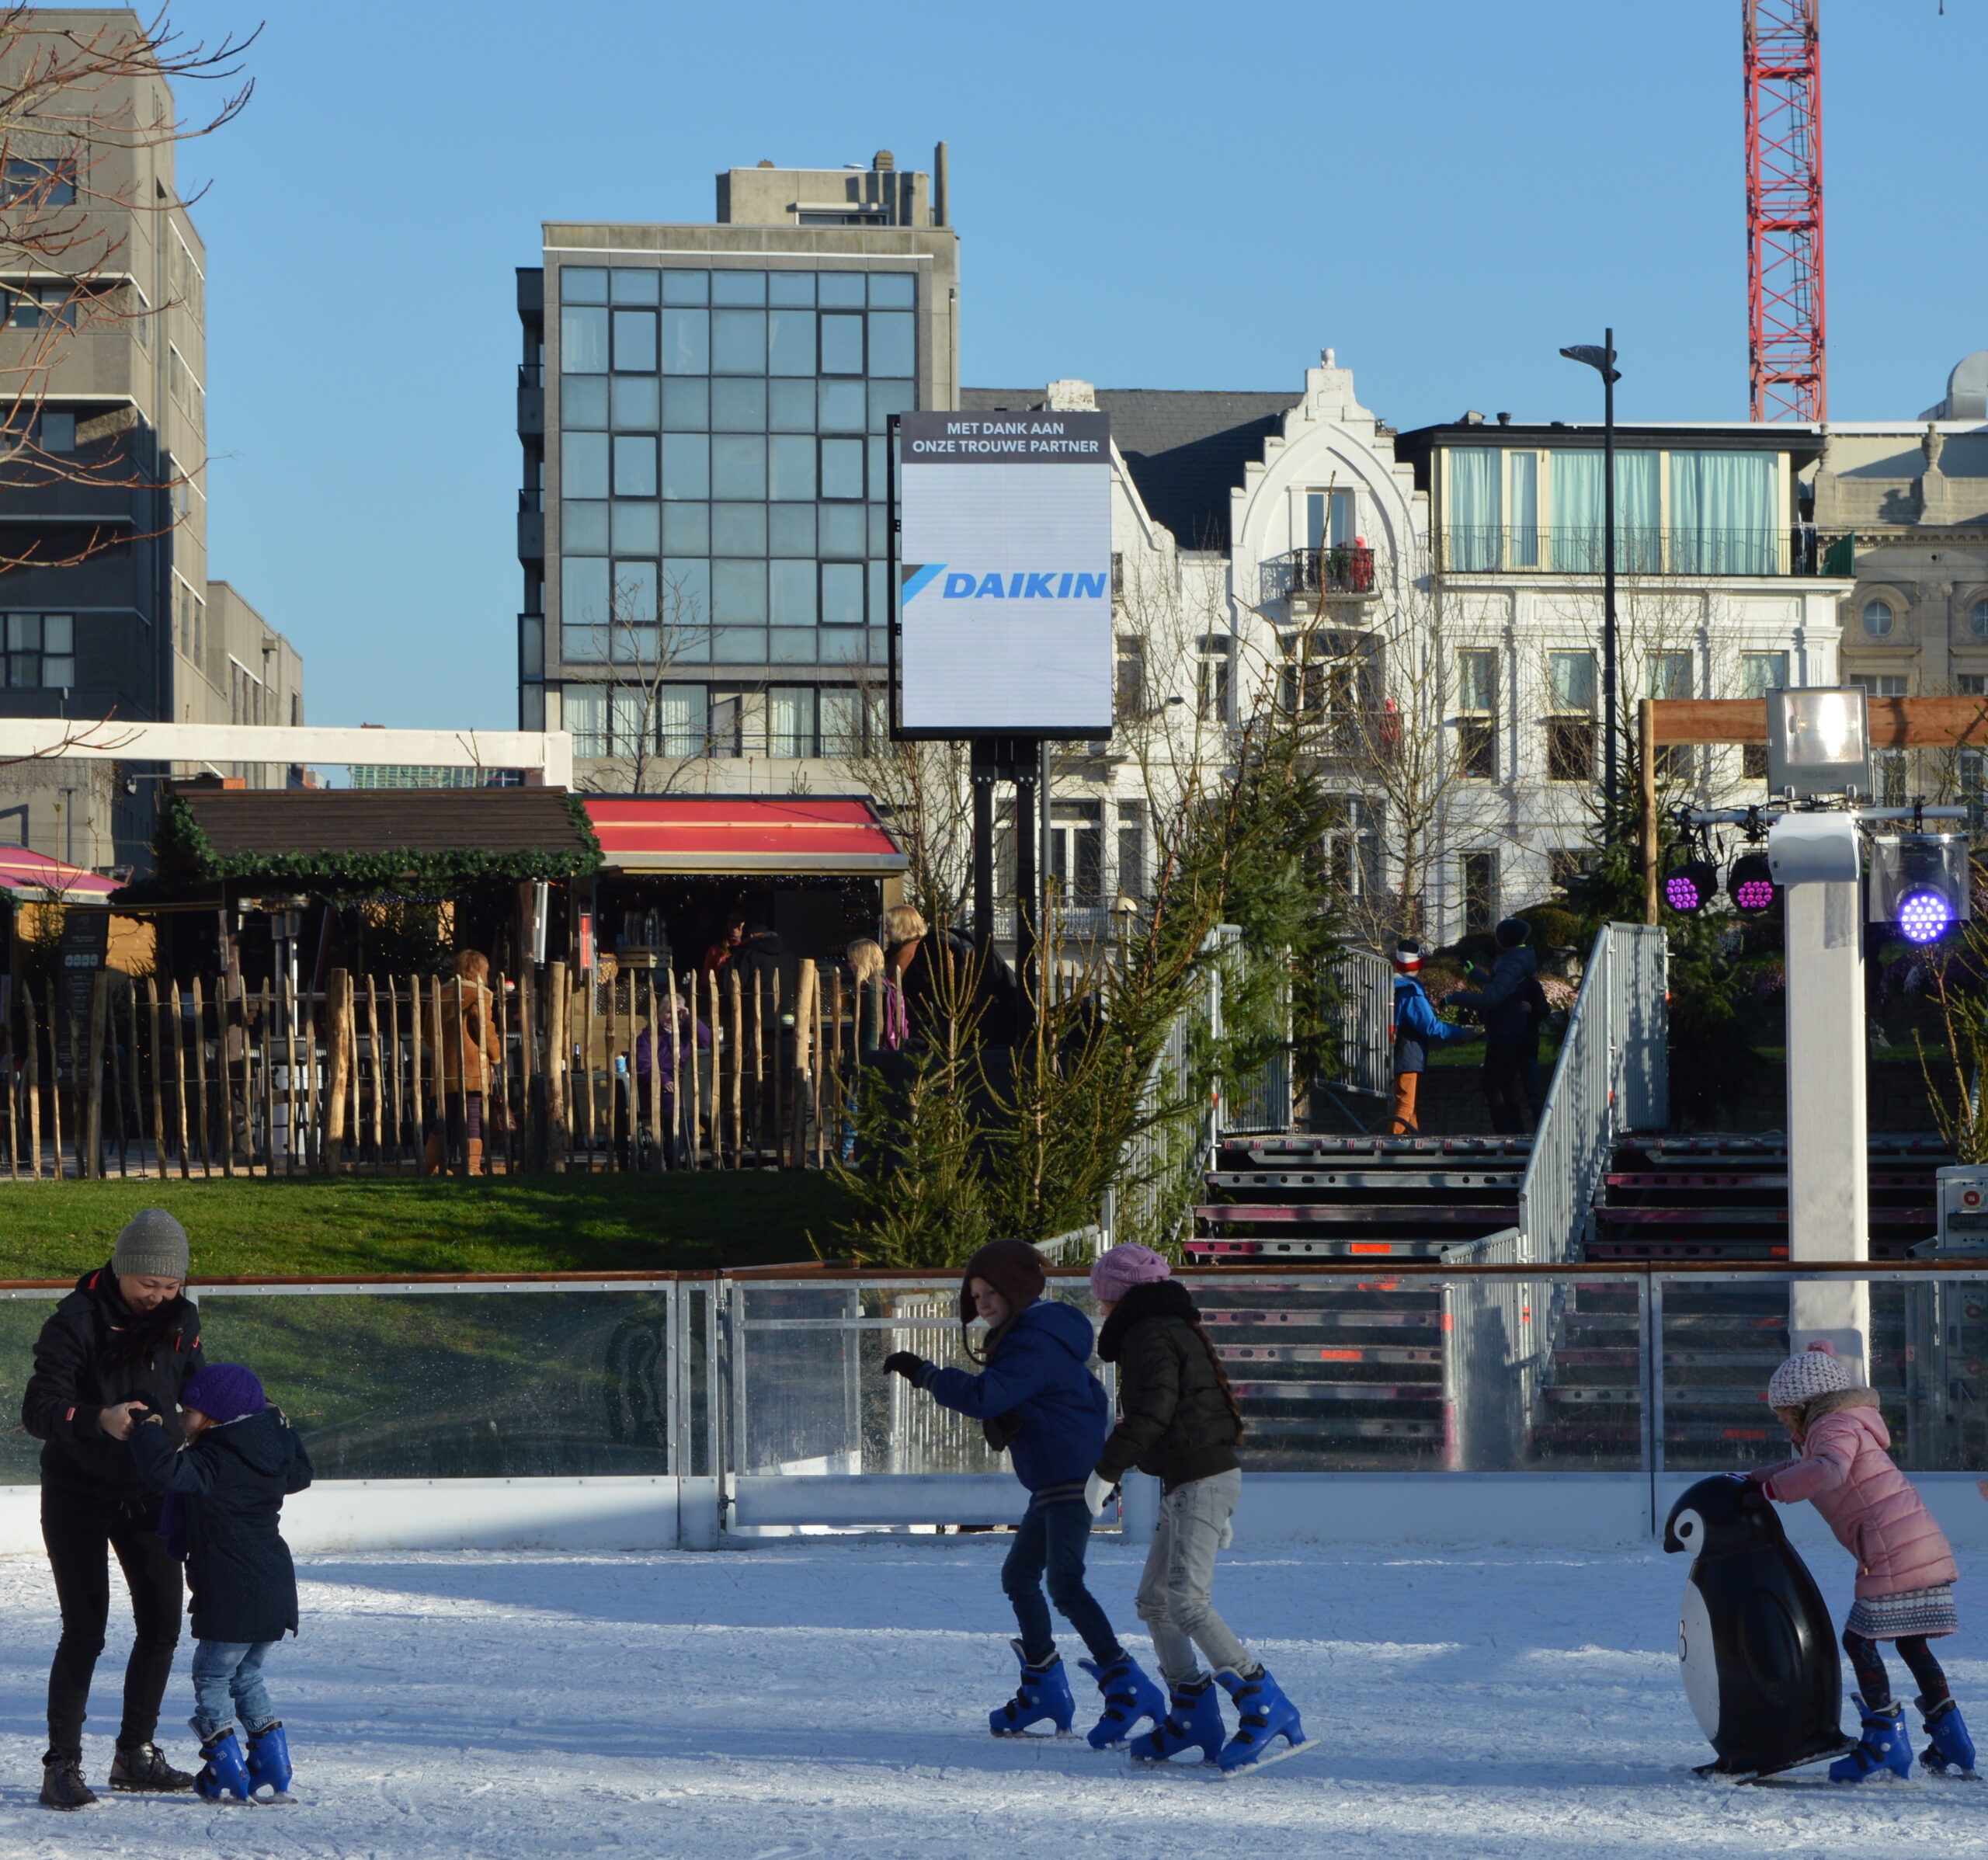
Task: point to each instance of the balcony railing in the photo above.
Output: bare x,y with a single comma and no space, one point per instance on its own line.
1343,569
1533,549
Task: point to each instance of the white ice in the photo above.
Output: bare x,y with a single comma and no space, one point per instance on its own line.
828,1697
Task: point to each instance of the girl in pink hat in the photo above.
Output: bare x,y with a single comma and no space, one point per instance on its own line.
1904,1570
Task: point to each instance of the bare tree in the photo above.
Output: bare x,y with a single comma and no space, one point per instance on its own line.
924,792
634,723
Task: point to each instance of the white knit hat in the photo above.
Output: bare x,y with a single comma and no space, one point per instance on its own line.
1816,1371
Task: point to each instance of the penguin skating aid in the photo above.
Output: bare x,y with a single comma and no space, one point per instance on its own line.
1754,1640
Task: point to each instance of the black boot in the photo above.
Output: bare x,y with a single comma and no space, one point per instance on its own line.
62,1784
142,1770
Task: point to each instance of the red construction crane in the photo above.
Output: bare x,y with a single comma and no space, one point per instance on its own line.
1784,210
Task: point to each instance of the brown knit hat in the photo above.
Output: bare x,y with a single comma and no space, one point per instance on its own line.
1013,1267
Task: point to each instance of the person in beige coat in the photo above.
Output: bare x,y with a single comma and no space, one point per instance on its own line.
470,1052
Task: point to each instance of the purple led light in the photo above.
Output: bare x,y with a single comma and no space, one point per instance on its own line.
1924,916
1754,893
1680,892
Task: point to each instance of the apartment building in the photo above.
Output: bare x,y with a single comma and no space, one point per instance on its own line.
105,605
703,527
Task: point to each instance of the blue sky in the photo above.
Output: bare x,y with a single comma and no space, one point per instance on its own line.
1167,196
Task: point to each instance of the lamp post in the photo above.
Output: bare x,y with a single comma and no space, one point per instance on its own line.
1602,361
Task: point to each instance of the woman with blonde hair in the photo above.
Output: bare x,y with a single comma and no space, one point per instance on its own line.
904,931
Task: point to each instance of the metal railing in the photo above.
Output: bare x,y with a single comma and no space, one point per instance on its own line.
1363,1051
1579,549
1344,569
1612,1075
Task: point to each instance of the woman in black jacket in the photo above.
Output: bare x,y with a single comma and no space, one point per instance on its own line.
1180,1423
124,1341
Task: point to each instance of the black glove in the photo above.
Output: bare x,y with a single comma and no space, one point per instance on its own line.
905,1363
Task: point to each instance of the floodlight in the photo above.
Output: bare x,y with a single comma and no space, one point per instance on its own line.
1749,884
1819,741
1921,882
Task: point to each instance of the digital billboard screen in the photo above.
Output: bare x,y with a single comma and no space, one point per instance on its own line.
1004,575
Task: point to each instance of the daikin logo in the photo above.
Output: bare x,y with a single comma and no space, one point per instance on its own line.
1055,585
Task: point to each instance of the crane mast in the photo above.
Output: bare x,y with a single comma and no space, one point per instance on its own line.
1787,359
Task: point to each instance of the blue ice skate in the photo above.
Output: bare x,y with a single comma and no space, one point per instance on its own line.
1952,1751
1884,1747
1267,1716
268,1764
223,1774
1044,1692
1129,1695
1194,1723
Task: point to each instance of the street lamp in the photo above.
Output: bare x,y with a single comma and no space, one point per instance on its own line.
1602,361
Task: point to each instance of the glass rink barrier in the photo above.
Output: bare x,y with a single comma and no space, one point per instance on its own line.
694,1407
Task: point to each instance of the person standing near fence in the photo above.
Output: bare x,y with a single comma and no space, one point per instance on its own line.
658,1072
126,1341
1417,1027
469,1051
1037,1399
1507,1003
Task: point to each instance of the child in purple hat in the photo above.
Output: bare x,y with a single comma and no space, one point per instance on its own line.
224,1492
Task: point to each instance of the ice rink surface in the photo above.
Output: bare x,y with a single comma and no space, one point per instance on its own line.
828,1697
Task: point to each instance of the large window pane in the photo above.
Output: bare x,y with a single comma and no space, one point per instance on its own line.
1524,540
1722,514
635,342
679,719
638,529
583,465
793,594
636,401
793,469
739,287
893,290
582,527
791,528
738,529
792,645
845,529
793,289
583,591
841,594
738,592
738,466
843,407
790,720
634,465
791,406
583,341
583,645
687,467
686,341
686,286
888,398
1475,517
879,595
893,344
632,284
844,646
738,342
686,405
840,707
686,529
842,469
880,531
583,284
634,594
738,406
739,646
583,403
842,290
841,345
791,343
686,598
1571,680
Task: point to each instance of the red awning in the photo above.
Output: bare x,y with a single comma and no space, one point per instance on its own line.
743,833
22,870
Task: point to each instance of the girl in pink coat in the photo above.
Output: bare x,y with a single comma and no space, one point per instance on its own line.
1904,1571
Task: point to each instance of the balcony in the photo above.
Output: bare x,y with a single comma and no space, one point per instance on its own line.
1799,549
1344,569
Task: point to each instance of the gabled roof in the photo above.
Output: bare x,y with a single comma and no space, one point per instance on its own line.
1186,449
277,821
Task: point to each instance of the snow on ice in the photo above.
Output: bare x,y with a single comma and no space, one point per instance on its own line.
828,1697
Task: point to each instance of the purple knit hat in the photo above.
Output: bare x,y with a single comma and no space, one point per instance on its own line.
1117,1271
224,1391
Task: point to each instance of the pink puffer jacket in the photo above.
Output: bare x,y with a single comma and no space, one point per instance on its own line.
1846,1473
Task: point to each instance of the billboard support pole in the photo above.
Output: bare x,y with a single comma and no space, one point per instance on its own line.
1028,880
986,772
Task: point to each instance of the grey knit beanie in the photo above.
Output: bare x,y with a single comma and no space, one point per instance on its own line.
1809,1373
153,1245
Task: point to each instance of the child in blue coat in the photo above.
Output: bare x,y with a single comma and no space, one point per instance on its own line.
1037,1398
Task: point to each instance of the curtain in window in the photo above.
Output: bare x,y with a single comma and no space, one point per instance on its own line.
1722,513
1525,510
1578,506
679,719
1576,482
791,721
1476,509
583,713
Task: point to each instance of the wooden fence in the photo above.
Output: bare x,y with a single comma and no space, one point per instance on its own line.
391,1075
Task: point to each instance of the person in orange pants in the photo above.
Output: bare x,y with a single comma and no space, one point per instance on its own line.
1417,1027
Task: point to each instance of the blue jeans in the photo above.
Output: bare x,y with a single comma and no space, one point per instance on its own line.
228,1683
1051,1537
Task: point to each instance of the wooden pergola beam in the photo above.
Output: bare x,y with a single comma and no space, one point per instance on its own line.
1897,723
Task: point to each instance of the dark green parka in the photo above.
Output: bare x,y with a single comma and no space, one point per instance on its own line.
1178,1419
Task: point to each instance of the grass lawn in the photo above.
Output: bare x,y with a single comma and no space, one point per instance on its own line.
363,1225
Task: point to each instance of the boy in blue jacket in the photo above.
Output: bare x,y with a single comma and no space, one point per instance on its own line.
223,1498
1037,1398
1417,1027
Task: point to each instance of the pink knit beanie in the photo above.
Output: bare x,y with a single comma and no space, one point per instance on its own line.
1815,1370
1117,1271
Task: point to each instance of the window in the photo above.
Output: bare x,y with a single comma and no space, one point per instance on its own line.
1211,679
1760,673
1888,684
582,339
50,181
1977,620
1972,684
1129,697
1076,852
841,345
41,651
893,343
1879,618
58,433
843,718
1669,675
1477,726
1570,681
1570,730
1329,520
635,342
1132,848
791,722
841,594
1480,891
1523,543
40,306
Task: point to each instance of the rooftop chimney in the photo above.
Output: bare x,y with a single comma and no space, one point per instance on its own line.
883,161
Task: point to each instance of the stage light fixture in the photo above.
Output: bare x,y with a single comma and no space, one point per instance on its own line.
1690,887
1921,884
1749,884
